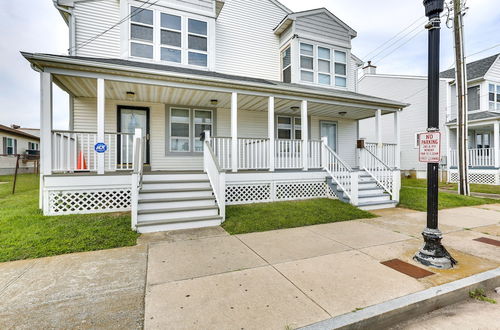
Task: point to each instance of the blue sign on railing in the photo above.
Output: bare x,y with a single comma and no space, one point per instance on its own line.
100,147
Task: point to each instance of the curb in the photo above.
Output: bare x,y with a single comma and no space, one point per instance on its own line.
389,313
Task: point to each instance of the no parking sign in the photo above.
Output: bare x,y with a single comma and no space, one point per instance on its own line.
429,147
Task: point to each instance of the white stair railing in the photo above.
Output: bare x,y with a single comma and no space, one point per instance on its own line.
216,175
343,175
378,170
137,173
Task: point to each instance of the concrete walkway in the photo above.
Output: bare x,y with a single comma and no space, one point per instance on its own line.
207,279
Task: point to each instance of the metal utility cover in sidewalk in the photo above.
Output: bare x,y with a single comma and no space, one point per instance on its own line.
406,268
488,241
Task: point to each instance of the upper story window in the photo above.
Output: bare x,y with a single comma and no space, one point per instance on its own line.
473,98
493,97
322,65
168,37
286,64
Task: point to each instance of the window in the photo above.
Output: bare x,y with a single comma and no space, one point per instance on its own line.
473,101
289,128
171,36
306,62
340,69
186,126
141,32
286,65
168,37
324,66
197,42
32,146
494,97
483,141
9,146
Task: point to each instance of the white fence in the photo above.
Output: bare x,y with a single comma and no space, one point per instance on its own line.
483,157
387,152
73,151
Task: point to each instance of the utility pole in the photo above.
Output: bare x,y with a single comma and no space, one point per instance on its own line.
461,83
433,252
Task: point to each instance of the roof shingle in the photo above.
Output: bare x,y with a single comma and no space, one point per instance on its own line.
476,69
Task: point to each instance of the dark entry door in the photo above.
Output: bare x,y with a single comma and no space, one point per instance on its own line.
130,118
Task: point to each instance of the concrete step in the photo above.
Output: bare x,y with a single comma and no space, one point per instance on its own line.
183,223
165,203
377,205
176,214
174,193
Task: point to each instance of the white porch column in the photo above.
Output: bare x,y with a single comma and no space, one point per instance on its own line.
45,135
496,143
378,130
234,132
397,135
305,134
45,123
270,131
101,100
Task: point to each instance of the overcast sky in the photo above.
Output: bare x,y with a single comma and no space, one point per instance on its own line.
39,28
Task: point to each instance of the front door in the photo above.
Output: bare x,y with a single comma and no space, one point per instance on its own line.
130,118
329,129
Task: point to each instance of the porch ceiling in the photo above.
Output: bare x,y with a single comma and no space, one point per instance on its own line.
87,87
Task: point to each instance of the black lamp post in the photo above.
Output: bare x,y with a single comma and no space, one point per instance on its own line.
433,253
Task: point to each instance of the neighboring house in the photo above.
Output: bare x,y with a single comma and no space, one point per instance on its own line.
15,141
484,118
274,92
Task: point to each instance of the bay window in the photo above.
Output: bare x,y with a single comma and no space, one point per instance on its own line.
168,37
186,126
473,98
286,65
494,97
322,65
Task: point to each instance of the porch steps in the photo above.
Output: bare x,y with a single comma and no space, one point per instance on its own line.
370,195
176,200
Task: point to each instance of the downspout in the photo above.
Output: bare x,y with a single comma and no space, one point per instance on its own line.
71,25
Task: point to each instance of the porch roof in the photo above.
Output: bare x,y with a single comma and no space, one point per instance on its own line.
478,116
120,67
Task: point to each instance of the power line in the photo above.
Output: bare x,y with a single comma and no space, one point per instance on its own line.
401,45
132,14
392,38
484,50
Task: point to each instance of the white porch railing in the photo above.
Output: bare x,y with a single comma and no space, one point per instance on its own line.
387,152
221,147
253,153
482,157
216,175
378,170
341,173
73,151
314,153
288,154
137,171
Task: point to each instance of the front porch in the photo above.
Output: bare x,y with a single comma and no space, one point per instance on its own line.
275,141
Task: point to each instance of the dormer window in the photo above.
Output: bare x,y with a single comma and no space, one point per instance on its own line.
323,65
168,37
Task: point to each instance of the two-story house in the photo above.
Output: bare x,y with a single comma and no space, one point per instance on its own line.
181,107
483,95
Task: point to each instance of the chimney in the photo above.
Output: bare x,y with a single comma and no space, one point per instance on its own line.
14,126
370,69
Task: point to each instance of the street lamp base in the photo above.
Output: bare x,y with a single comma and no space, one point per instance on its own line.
434,254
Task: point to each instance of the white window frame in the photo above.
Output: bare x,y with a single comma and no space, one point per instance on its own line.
284,49
313,56
13,146
316,60
184,38
34,145
496,93
293,126
192,129
479,97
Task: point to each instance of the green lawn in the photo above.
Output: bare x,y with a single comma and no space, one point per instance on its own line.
249,218
480,188
416,198
26,233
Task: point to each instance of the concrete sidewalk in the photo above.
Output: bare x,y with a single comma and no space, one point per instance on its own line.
295,277
207,279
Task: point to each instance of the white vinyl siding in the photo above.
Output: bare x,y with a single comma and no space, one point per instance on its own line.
92,19
246,41
323,27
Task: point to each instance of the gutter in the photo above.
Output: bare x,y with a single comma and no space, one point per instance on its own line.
71,24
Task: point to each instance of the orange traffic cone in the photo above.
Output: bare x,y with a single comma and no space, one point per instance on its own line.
81,163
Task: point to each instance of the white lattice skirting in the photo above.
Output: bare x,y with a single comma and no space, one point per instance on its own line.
88,201
490,177
245,193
